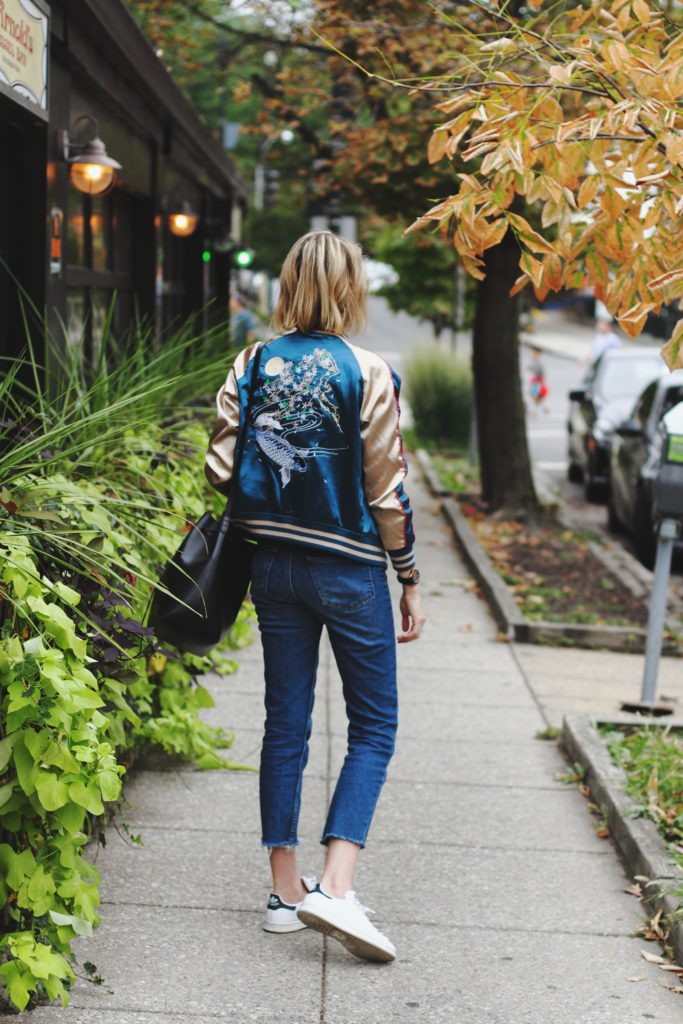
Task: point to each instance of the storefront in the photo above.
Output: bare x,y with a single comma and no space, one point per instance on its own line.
71,72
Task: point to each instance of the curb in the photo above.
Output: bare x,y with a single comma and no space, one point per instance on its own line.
637,839
504,608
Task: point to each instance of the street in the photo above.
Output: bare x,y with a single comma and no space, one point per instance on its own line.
547,429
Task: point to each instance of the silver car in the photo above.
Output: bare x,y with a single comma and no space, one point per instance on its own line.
636,460
604,399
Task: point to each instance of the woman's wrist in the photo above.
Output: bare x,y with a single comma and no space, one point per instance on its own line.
410,579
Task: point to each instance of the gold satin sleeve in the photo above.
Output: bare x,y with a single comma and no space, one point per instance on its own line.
221,451
383,461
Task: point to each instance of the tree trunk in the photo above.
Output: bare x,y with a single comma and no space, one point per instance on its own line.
506,480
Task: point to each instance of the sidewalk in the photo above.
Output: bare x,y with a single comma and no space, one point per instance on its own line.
486,871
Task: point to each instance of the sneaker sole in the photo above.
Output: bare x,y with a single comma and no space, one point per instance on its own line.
361,947
290,926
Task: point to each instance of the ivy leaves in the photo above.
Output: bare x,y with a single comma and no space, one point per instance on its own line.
81,682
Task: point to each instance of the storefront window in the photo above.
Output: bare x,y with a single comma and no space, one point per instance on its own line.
99,231
121,232
99,273
75,234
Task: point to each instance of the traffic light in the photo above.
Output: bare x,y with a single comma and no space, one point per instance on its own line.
244,257
271,185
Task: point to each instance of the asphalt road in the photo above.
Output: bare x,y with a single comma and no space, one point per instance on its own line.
547,427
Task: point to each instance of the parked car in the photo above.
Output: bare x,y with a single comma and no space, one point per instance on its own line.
596,407
636,460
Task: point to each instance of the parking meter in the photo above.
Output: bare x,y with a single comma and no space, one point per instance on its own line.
669,514
669,488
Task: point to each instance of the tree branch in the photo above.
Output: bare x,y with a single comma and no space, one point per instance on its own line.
249,36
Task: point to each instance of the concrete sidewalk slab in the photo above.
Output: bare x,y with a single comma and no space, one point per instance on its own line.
503,724
497,889
193,868
518,978
449,655
451,761
188,958
593,682
508,817
175,797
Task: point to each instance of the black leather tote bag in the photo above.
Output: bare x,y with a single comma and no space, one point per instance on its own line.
207,579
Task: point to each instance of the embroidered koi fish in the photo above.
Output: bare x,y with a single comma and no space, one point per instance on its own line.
277,449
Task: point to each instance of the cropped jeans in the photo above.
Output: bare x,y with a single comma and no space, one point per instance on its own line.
297,591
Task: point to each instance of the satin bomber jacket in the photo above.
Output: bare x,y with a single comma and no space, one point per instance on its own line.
322,464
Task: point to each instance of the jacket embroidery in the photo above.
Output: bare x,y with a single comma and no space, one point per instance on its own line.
298,398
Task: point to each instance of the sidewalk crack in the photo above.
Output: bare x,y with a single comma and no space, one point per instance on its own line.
327,675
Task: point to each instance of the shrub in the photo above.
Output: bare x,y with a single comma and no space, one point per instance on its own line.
97,485
439,392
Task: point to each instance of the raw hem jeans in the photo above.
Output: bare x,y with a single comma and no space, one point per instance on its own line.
296,592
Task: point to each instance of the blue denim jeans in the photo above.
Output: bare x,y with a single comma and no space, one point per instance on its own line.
297,591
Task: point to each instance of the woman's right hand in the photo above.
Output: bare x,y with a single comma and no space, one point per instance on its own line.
412,616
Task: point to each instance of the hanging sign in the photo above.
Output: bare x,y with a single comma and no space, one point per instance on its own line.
24,33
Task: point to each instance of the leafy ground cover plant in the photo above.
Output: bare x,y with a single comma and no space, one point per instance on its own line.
651,758
455,471
99,483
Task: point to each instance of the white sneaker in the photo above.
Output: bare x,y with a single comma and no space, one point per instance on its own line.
281,916
345,919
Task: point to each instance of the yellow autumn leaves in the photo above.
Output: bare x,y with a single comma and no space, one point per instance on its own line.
569,133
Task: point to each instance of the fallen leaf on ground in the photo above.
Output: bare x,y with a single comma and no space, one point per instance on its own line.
637,977
634,890
672,988
652,958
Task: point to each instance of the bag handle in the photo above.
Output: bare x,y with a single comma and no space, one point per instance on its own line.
244,422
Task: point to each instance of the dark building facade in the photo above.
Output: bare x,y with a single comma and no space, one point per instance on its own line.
69,70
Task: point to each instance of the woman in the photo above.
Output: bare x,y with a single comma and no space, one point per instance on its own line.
321,489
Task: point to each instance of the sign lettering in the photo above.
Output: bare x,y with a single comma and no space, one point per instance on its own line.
23,50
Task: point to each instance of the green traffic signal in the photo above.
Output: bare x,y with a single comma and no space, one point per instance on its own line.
244,257
206,256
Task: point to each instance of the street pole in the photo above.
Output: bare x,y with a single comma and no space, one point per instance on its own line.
668,532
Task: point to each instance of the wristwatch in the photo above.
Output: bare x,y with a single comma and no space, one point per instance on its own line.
411,579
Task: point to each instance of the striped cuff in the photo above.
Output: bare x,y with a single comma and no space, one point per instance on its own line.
403,560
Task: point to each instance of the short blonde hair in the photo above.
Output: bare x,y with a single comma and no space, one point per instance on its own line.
322,286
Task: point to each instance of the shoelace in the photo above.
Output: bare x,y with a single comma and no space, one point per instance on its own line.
351,896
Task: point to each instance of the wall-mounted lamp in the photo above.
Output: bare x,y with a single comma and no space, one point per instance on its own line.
92,169
183,221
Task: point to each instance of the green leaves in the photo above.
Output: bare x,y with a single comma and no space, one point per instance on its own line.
57,624
31,962
79,551
79,924
52,791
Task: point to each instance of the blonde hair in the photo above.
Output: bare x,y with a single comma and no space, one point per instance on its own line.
322,286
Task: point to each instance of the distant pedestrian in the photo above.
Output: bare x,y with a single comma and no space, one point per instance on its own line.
605,338
321,489
242,323
538,389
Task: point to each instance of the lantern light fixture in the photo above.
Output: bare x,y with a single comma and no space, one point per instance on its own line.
183,221
92,170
